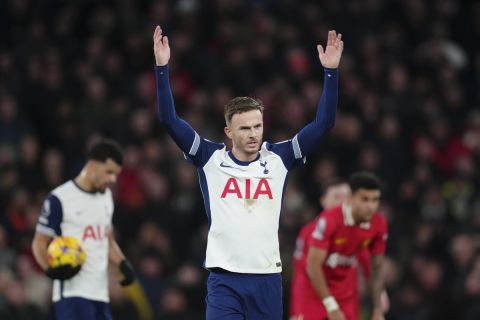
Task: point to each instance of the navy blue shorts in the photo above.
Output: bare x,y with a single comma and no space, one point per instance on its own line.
239,296
81,309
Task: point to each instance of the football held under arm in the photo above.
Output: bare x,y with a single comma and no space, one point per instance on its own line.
47,228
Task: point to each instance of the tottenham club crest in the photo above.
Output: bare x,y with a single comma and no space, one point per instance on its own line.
264,165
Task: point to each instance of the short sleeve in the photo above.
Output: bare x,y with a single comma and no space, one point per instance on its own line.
323,233
202,150
289,151
379,241
51,217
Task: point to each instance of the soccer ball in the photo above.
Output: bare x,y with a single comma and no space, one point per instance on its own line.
64,251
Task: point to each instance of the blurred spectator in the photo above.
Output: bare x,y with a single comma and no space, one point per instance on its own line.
174,306
7,253
121,306
37,287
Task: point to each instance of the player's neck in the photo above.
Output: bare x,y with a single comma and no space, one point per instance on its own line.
351,212
356,219
242,156
83,182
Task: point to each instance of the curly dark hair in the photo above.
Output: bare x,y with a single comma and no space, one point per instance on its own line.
104,150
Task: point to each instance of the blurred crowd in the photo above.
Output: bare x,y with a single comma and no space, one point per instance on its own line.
74,71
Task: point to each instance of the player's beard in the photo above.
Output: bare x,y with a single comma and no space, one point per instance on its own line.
367,217
98,185
102,188
252,149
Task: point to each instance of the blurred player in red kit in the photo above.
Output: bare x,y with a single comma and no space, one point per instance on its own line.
325,284
332,194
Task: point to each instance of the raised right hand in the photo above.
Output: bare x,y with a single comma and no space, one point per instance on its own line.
161,49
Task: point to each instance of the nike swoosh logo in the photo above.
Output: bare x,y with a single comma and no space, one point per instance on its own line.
222,164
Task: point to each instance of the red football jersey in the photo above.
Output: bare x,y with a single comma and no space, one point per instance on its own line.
334,231
300,277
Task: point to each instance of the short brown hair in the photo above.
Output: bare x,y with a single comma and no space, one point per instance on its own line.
240,105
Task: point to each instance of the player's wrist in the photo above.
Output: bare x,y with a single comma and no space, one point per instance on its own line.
330,304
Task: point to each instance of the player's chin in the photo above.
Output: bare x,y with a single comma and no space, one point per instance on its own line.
252,147
252,151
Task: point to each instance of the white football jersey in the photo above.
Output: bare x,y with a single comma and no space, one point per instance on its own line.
243,199
243,202
71,211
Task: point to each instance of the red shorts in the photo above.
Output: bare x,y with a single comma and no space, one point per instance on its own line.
313,309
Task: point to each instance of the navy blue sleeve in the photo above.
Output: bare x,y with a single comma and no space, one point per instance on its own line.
309,136
195,148
51,217
287,151
203,152
293,151
181,132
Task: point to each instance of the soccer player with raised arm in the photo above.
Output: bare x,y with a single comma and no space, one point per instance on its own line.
339,236
243,189
83,208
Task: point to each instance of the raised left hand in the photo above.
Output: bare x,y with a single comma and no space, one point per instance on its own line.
330,57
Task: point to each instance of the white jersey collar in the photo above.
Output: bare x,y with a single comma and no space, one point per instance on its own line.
348,217
347,214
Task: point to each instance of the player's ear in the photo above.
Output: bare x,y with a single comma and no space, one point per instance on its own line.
90,165
228,132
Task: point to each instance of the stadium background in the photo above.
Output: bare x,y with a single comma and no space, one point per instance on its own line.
409,110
